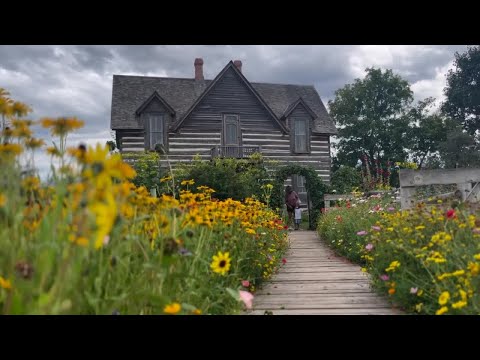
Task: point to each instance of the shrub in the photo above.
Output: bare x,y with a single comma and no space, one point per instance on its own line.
427,259
237,179
344,227
345,180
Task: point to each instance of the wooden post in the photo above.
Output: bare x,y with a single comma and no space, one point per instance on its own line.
465,190
309,206
406,194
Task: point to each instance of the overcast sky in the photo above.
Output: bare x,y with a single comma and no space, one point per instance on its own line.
77,80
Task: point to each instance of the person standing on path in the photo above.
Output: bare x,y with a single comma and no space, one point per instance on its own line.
291,200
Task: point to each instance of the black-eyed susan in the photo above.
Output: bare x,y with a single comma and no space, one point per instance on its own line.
173,308
221,263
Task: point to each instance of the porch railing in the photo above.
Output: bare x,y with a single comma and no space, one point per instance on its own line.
237,152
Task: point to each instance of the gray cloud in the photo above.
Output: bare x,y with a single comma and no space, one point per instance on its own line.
76,80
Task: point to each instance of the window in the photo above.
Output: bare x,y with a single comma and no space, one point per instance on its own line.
231,133
231,136
301,135
298,182
155,132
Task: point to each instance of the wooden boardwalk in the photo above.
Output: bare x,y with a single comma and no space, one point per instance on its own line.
315,281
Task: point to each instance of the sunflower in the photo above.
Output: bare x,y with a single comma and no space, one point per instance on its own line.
221,263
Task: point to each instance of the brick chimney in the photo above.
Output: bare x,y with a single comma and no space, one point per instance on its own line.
198,68
238,64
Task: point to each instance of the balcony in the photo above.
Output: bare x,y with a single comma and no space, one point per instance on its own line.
236,152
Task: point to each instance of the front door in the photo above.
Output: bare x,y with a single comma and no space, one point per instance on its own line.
231,136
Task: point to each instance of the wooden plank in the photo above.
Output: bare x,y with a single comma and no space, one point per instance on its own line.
351,311
315,281
410,177
320,276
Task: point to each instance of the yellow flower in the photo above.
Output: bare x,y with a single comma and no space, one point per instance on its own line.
474,268
442,310
444,297
34,143
458,273
463,294
250,231
391,291
364,269
3,200
166,178
61,125
459,304
31,183
187,182
476,256
418,307
197,312
5,284
10,149
53,151
172,309
221,263
393,265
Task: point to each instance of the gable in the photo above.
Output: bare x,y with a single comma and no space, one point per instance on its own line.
155,103
230,92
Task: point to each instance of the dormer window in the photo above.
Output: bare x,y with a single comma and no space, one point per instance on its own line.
301,136
154,130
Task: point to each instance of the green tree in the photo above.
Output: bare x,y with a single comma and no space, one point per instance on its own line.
428,131
463,90
370,115
460,149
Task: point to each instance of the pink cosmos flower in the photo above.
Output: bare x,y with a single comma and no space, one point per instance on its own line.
247,298
369,247
413,290
361,233
284,261
245,283
476,231
391,209
376,228
384,277
106,240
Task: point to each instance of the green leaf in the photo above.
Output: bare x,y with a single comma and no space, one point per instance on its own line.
234,293
188,307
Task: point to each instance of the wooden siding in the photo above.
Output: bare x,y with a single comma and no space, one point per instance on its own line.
202,130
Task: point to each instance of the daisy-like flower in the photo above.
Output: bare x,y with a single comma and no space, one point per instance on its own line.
221,263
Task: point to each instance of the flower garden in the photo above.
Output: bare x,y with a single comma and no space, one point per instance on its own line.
89,241
425,260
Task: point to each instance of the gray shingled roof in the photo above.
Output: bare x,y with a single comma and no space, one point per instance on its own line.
130,92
